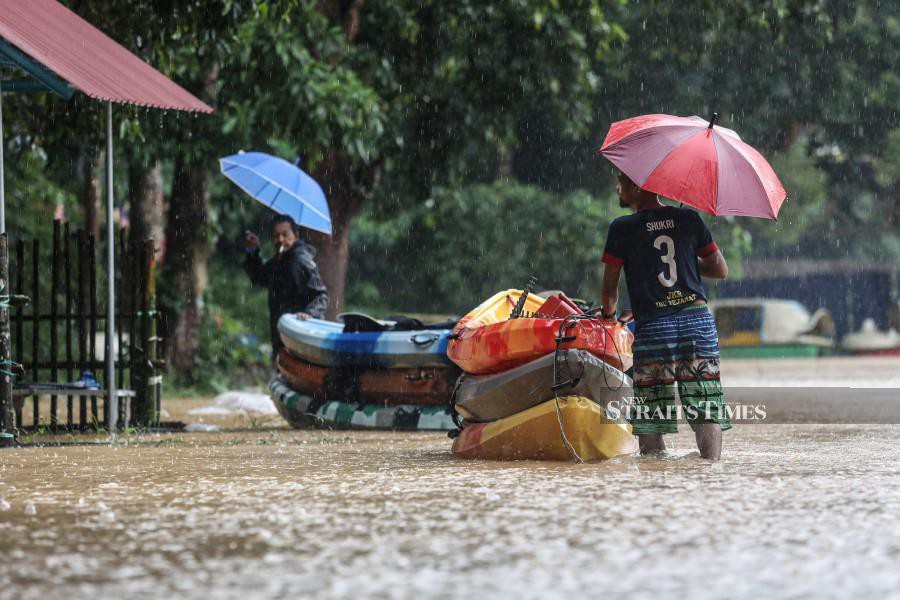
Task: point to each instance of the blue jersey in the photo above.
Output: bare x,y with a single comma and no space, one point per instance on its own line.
658,250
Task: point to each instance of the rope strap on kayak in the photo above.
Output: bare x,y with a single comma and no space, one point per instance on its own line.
564,336
454,414
557,385
562,431
568,323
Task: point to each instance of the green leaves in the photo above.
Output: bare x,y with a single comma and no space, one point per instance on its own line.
462,245
461,78
292,83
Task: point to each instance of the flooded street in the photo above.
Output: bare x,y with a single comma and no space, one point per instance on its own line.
790,511
382,220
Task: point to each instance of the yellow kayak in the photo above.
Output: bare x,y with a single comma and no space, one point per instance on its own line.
497,308
535,434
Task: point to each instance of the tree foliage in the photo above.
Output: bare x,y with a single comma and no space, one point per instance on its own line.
464,134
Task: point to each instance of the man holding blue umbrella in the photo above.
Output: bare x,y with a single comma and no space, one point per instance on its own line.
291,276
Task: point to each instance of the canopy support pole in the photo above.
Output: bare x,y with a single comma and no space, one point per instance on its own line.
2,187
112,398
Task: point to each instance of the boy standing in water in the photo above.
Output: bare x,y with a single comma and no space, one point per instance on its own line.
291,276
665,251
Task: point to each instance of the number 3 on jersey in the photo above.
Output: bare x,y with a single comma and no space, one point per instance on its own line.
667,280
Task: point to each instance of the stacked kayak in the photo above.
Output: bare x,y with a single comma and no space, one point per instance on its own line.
552,430
424,386
326,343
302,377
491,397
386,378
529,392
302,411
487,342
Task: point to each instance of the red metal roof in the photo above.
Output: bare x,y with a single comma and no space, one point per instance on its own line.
87,58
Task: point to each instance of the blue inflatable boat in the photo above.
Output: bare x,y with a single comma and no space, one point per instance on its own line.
325,343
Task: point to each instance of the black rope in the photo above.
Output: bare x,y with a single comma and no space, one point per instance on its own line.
568,323
454,414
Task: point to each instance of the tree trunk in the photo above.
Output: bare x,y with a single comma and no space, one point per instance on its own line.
92,193
334,254
145,185
187,251
346,189
187,244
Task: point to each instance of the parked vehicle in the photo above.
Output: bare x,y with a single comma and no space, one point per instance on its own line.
771,328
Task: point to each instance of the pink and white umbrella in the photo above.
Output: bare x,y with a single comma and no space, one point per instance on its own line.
696,162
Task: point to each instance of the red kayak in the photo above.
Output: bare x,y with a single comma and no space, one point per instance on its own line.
496,347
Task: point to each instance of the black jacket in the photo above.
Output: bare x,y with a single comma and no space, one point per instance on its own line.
294,284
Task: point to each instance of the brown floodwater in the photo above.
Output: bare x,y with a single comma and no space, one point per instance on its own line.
791,511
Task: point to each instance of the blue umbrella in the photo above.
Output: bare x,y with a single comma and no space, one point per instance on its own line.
281,186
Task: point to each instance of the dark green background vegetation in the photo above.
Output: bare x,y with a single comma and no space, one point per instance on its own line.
457,141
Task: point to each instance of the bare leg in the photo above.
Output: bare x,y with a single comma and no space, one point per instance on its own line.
651,443
709,440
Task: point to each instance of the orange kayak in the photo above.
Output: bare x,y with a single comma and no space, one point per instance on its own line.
487,341
501,346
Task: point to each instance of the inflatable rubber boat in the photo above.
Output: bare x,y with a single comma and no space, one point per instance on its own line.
303,411
325,343
422,386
